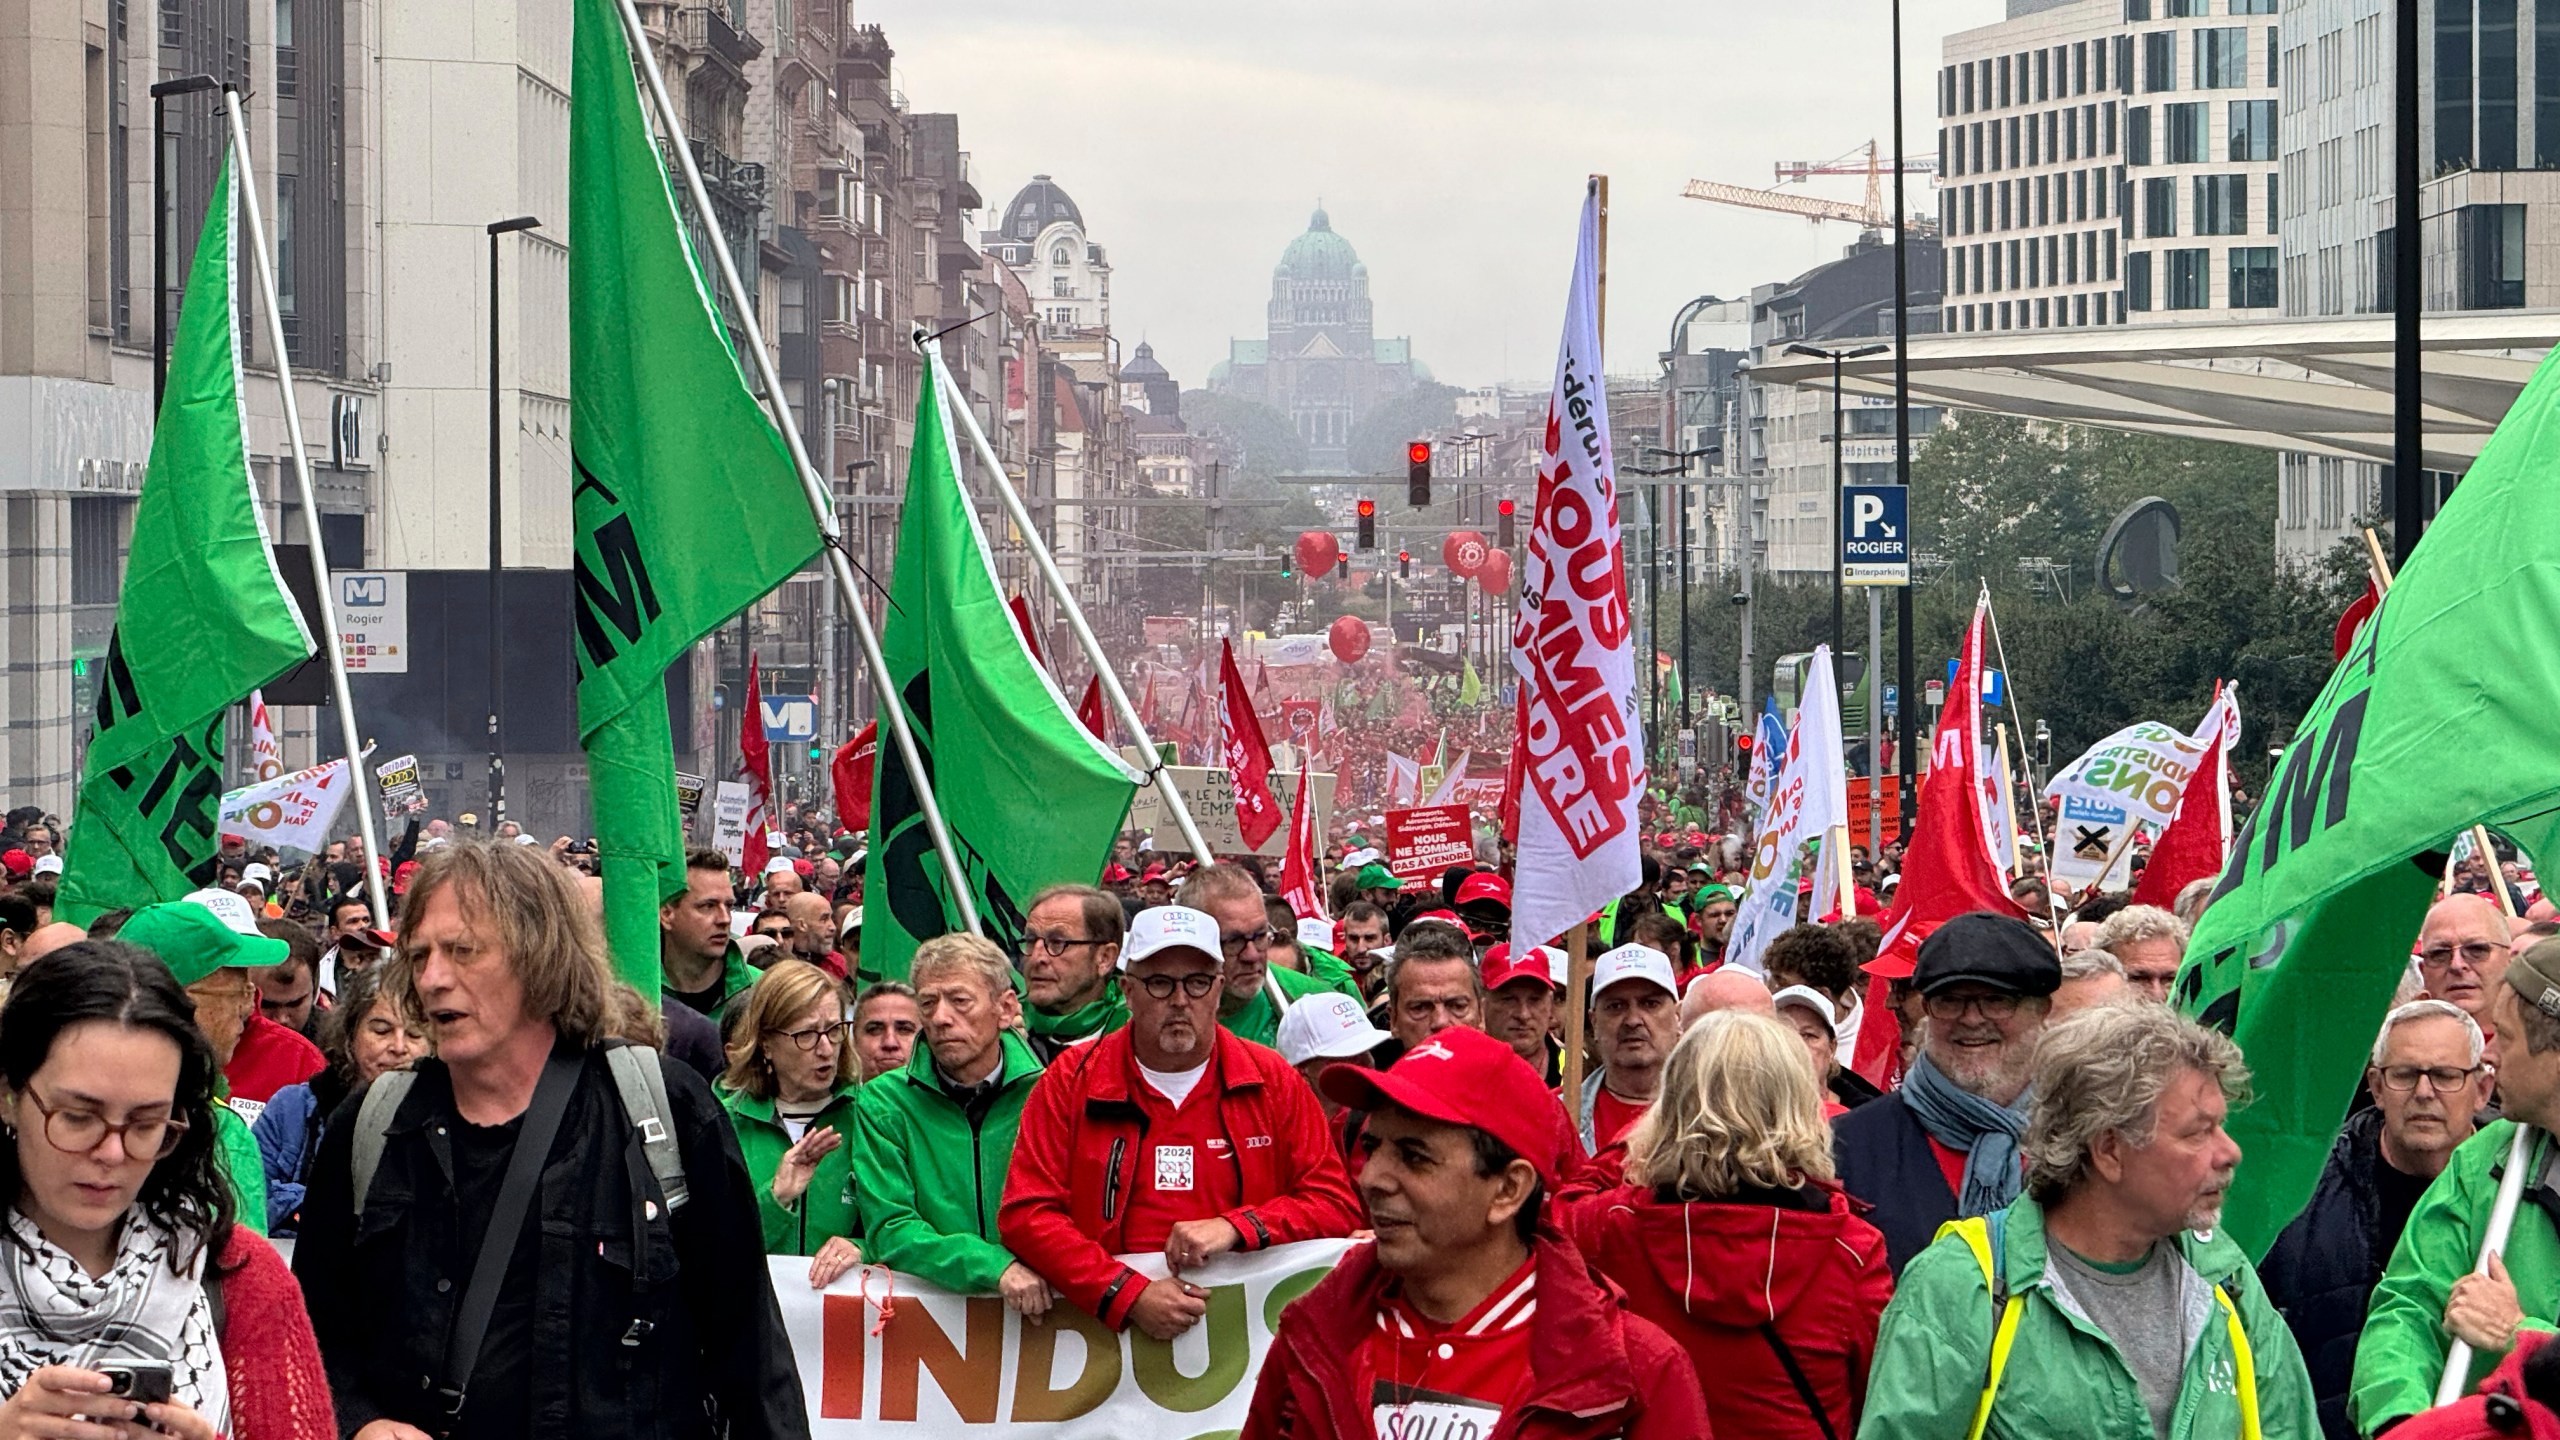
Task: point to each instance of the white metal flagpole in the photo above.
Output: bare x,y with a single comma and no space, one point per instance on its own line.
330,645
955,879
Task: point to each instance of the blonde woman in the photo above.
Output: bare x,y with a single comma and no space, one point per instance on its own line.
791,1099
1732,1234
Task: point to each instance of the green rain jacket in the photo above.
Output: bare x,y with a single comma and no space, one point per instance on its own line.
242,1164
1259,1021
735,976
930,1179
2064,1376
2401,1355
826,1208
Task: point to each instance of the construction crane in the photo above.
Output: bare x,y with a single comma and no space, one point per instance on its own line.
1873,215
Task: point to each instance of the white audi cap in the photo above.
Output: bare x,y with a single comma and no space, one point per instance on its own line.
1327,1026
1317,931
1633,962
1172,927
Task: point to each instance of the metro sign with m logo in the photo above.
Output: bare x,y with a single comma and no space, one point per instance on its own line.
370,592
792,718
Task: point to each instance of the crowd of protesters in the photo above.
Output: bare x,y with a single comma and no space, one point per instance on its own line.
527,1200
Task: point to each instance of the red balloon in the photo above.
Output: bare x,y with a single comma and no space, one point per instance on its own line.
1463,552
1495,573
1349,639
1317,550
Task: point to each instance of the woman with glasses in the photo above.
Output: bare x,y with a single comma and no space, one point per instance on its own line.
366,1035
788,1094
130,1299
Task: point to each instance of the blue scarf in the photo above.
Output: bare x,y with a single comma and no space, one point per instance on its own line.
1961,1120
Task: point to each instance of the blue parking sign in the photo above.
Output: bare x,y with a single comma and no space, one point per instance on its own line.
1875,538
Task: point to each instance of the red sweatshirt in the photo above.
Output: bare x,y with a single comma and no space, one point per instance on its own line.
269,1058
1105,1166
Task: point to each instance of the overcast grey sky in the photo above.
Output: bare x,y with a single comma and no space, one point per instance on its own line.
1447,138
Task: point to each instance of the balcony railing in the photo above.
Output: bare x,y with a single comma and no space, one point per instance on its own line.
707,28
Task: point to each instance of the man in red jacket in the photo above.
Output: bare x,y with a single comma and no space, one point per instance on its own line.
1169,1133
1467,1316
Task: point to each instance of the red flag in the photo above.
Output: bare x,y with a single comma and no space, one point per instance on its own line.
2198,839
1248,759
1514,769
1021,609
1091,712
851,768
1949,869
755,766
2344,638
1298,866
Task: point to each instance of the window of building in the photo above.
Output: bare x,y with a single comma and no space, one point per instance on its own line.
2272,51
2159,207
2253,7
2253,277
2000,69
2186,132
97,548
2271,205
2181,9
2222,205
2080,68
2044,74
2159,61
2079,194
2252,130
2222,58
2453,85
2497,62
2014,151
2190,279
2137,135
1964,88
2107,124
2546,87
2137,9
2137,280
2098,66
2044,200
2492,238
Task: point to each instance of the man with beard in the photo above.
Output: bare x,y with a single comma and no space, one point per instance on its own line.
1363,937
1227,893
1945,1145
1170,1134
2117,1306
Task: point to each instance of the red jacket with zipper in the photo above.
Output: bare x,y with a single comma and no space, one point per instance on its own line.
1595,1371
1735,1282
1082,1152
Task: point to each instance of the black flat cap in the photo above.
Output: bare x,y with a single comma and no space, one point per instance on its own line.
1988,949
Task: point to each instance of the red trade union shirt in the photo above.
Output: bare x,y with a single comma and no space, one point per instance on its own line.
1612,1118
1187,1165
268,1058
1424,1379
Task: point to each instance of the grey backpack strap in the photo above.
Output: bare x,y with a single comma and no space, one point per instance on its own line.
373,1123
636,1074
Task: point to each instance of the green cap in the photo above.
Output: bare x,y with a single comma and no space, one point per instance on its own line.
1374,876
207,931
1705,893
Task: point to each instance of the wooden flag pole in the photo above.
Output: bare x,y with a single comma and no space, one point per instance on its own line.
1843,869
1577,1005
2000,732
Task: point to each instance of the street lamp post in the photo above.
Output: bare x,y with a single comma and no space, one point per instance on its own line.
1839,483
497,751
1907,733
161,94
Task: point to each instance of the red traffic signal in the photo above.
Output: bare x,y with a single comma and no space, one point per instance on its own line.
1417,473
1368,526
1503,533
1418,453
1404,564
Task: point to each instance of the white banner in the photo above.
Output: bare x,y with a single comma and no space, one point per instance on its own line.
292,812
2133,777
1580,741
1809,799
266,755
885,1355
729,805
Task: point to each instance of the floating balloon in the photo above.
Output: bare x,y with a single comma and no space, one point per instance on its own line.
1349,639
1495,573
1463,552
1317,550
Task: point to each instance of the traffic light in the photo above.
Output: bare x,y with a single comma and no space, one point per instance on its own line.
1742,750
1342,568
1368,524
1404,564
1503,532
1417,473
1288,566
817,752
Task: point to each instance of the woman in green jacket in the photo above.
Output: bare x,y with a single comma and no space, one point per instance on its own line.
788,1094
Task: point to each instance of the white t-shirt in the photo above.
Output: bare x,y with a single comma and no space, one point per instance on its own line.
1174,1085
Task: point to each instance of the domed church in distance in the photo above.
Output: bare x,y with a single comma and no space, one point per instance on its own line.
1319,364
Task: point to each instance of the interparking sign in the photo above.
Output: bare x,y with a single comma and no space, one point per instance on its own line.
1875,535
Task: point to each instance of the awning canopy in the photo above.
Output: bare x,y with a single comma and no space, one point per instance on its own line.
2317,385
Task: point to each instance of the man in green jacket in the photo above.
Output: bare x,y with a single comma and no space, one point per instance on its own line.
696,953
1070,961
935,1138
2129,1315
211,942
2428,1295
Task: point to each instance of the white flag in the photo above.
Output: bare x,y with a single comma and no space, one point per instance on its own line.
266,756
2133,777
1404,780
1806,808
1452,782
1579,749
290,812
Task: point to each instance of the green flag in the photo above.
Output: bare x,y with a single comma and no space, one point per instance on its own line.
1470,685
1031,798
687,504
203,618
2310,928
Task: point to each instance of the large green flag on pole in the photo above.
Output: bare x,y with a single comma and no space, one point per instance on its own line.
2329,881
203,619
687,504
1031,798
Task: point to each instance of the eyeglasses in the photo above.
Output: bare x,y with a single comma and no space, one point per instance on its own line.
1053,945
809,1039
1196,984
1952,1007
2443,1077
77,1132
2474,954
1236,945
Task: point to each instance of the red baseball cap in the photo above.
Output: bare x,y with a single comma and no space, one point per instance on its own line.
1463,1076
1447,917
1531,962
1484,885
18,863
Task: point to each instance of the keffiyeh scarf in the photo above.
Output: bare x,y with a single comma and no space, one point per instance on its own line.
53,1312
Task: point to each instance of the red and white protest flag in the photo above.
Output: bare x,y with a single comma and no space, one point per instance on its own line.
2198,838
1579,751
1247,758
1298,866
851,769
1452,782
266,756
755,767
